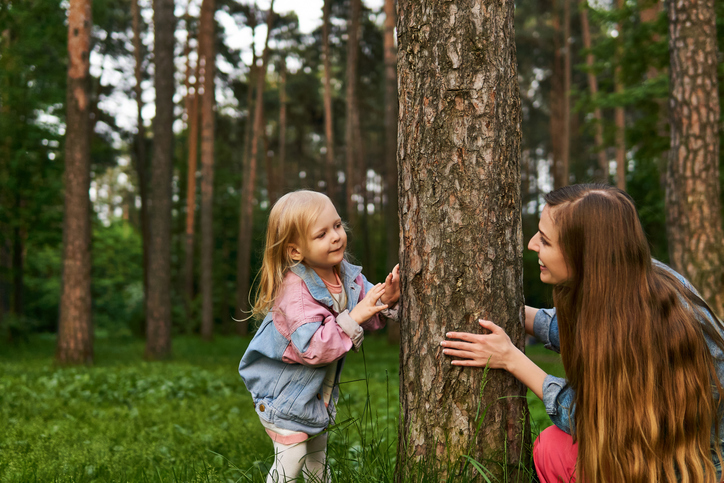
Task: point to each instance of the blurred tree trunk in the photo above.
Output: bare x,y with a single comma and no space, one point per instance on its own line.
566,97
140,158
246,226
207,59
352,119
281,180
330,171
619,111
460,216
693,207
192,117
602,175
75,325
158,305
557,101
389,183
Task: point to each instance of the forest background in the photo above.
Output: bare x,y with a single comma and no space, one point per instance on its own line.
570,132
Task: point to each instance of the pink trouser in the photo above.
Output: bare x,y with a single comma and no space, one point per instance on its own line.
554,455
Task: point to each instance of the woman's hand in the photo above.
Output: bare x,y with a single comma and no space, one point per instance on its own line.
392,287
479,350
368,307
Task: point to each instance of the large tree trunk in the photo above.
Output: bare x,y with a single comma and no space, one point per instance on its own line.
246,225
158,305
351,148
693,207
460,215
619,111
330,170
602,174
140,160
75,326
389,183
192,113
208,63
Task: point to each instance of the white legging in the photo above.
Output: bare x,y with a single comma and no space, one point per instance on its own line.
308,456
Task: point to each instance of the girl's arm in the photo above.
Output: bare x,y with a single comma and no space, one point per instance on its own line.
496,351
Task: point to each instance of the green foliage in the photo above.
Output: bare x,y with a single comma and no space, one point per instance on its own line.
187,419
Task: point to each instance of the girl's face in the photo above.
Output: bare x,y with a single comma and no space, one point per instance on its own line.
553,268
325,243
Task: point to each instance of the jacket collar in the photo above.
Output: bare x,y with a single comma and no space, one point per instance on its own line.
316,286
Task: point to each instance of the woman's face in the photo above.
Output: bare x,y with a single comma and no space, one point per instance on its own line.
553,268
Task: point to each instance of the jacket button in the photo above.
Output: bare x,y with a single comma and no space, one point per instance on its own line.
319,396
261,407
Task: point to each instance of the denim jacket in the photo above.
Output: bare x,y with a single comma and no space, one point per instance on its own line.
558,396
286,361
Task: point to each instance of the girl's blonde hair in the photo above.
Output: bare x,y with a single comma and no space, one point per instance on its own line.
290,220
632,348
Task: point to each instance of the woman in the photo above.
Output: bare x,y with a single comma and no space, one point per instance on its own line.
643,353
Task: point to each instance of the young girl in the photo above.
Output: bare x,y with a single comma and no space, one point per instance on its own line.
314,306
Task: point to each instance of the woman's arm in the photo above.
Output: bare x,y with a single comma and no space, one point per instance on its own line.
496,351
530,319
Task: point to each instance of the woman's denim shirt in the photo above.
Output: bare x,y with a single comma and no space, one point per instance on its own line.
558,396
286,362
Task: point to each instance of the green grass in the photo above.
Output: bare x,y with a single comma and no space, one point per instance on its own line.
187,419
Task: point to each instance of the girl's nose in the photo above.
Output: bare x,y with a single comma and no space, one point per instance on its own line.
533,244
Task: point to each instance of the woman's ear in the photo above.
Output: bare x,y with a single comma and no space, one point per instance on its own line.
294,252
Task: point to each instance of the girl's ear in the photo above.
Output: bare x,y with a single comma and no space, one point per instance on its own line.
294,252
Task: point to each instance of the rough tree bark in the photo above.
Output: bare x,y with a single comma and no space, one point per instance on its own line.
208,63
460,214
158,302
330,170
693,207
75,325
246,224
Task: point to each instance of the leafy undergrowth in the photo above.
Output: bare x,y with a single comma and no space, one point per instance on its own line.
187,419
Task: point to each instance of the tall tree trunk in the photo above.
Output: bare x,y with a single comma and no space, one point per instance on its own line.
557,101
158,305
192,112
247,222
619,111
140,157
280,183
693,206
352,117
330,171
602,174
75,325
459,152
208,62
392,221
566,97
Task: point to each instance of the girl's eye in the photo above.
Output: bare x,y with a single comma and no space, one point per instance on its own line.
338,225
321,235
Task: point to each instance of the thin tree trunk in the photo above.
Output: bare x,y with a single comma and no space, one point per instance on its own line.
192,103
392,221
557,101
460,218
75,326
281,188
330,170
158,306
593,88
619,111
247,222
566,97
208,62
352,117
693,206
140,152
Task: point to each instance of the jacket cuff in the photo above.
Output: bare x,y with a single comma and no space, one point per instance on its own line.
542,327
351,328
390,312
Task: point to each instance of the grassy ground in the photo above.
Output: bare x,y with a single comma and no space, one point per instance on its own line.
187,419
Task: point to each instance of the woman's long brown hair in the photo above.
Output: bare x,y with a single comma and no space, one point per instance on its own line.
632,348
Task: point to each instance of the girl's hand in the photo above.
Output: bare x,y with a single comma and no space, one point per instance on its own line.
368,307
392,287
480,350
